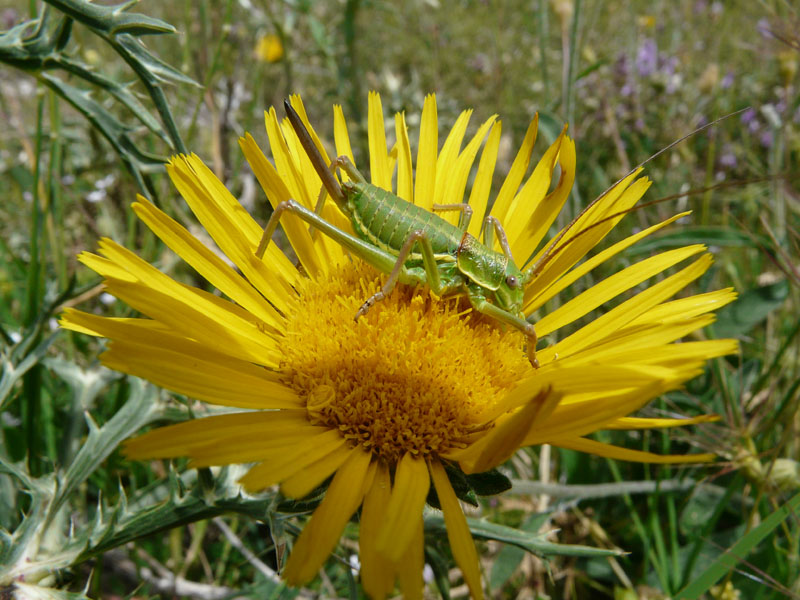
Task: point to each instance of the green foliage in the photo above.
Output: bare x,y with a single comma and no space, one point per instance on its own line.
94,97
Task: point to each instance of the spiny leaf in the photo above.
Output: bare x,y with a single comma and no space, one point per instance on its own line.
147,65
111,19
19,361
138,162
116,90
139,410
534,543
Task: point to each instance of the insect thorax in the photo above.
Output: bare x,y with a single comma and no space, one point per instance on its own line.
482,265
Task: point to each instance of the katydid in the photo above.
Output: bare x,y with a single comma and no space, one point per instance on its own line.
414,246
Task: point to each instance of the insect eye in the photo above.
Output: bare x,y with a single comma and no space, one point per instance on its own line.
512,281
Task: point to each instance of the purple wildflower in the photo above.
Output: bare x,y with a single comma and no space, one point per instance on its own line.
766,139
727,159
647,57
763,27
727,81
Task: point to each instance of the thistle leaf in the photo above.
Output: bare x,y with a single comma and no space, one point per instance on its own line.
535,543
111,19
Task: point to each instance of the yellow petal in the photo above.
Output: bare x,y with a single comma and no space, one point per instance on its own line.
571,381
598,259
377,573
578,418
685,308
341,138
458,534
410,489
630,309
180,439
446,161
231,227
534,210
277,192
322,532
615,452
194,315
684,355
328,249
426,154
106,268
152,333
456,182
573,242
208,264
497,446
517,172
303,482
613,286
256,445
405,170
639,339
378,156
243,386
479,196
653,423
409,569
293,460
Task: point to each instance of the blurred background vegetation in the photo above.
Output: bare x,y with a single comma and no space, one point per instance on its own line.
94,99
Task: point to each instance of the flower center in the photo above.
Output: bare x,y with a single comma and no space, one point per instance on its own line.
412,375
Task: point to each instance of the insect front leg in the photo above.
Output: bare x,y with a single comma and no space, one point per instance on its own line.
492,226
483,306
433,277
463,219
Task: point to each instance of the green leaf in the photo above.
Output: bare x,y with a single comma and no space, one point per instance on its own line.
119,92
111,19
140,409
534,543
752,307
738,552
19,361
685,236
460,485
510,556
489,483
116,133
146,64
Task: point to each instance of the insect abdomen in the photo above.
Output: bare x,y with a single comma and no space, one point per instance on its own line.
386,221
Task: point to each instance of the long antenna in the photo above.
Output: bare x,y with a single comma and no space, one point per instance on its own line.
556,244
323,170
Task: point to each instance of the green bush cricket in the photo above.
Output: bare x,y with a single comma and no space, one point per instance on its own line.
413,245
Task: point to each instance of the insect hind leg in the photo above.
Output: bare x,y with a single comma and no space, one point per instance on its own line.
463,219
432,277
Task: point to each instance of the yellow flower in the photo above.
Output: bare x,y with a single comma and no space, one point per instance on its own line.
269,48
385,403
